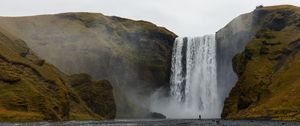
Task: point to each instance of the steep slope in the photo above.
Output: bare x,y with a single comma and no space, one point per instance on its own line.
231,40
94,93
134,55
268,69
32,90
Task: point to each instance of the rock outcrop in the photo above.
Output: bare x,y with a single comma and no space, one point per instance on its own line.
93,94
155,115
268,83
33,90
134,56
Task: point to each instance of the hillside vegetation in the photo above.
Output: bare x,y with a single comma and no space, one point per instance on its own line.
268,68
135,56
33,90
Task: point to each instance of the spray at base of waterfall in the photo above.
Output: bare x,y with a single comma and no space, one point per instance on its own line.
193,84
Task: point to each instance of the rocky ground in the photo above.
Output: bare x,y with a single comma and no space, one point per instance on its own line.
168,122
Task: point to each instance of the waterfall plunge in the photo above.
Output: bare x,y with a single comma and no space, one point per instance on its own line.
193,88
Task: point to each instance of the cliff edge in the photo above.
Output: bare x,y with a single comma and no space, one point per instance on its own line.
268,83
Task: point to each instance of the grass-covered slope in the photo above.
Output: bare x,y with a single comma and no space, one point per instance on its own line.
135,56
97,95
32,90
269,69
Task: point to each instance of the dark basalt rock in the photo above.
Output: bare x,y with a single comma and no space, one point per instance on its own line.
277,23
298,25
156,115
96,94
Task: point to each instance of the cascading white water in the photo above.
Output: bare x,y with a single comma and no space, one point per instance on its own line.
193,89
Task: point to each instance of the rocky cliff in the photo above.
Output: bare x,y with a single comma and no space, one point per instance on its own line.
33,90
268,83
231,40
133,55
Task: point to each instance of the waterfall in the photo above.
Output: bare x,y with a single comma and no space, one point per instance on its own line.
193,84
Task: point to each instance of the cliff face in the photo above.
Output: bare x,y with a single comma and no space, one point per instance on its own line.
231,40
133,55
268,69
32,90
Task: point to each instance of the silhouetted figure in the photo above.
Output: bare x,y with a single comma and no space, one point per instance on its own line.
200,116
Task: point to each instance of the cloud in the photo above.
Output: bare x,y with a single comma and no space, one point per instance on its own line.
184,17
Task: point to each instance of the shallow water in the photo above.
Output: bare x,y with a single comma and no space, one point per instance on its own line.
164,122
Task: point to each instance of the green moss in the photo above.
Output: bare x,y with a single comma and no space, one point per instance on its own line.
268,85
136,45
96,95
32,91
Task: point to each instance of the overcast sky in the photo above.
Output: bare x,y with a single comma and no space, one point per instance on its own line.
184,17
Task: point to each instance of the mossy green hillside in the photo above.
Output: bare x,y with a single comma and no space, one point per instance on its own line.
268,69
134,55
32,90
